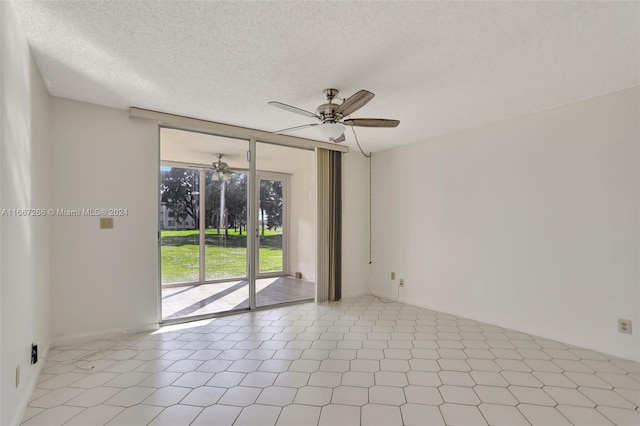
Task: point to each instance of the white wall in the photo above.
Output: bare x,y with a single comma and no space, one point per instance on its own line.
24,247
302,221
529,223
103,280
355,224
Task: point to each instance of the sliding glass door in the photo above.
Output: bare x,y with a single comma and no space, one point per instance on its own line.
203,224
236,227
286,225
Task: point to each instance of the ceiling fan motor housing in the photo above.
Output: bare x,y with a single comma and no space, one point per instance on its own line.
327,112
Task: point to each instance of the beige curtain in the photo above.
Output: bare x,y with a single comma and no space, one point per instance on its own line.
329,223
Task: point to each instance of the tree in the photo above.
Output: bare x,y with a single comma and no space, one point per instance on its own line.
270,204
179,192
212,202
235,201
274,206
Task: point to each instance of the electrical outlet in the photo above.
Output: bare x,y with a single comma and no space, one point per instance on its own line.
393,275
18,375
106,223
34,353
624,326
401,282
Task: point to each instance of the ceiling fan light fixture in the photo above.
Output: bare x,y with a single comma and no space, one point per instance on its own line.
334,117
331,130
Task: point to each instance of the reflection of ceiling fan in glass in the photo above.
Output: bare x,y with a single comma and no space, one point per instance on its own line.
221,169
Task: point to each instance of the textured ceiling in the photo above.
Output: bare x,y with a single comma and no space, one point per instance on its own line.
439,67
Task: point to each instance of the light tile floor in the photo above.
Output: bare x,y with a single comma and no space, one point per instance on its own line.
191,300
353,362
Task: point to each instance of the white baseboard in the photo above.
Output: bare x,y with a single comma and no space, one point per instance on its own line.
354,294
385,296
104,334
31,386
533,331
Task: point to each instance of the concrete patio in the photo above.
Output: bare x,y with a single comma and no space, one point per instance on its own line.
193,300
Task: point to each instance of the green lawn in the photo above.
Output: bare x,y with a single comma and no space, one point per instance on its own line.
224,257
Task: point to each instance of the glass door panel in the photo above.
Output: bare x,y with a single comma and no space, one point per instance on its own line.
226,226
203,229
286,225
271,226
179,224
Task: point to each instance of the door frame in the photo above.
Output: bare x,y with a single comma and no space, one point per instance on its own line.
252,208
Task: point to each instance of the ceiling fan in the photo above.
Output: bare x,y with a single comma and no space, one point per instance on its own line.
221,169
332,116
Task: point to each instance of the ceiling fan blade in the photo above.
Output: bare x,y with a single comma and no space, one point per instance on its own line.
340,139
291,129
371,122
354,103
292,109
